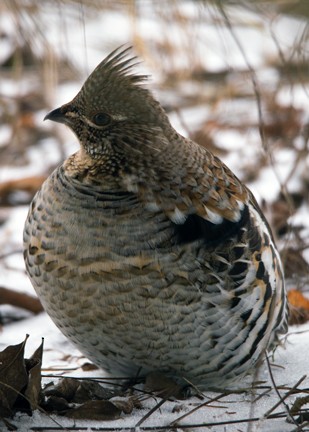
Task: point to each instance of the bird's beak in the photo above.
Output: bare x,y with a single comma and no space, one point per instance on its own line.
56,115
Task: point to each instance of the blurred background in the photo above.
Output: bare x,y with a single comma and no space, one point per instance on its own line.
232,75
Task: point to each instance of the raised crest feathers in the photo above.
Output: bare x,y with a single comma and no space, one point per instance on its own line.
120,65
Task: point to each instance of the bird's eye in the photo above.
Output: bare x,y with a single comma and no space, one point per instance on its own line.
101,119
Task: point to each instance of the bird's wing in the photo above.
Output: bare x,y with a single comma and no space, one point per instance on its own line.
198,185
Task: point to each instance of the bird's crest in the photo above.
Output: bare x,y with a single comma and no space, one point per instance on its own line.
112,83
118,62
117,68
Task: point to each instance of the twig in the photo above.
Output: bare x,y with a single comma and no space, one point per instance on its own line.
157,428
301,427
11,252
290,391
146,416
21,300
254,398
175,422
255,84
281,400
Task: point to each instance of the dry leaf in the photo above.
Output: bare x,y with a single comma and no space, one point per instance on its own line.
55,404
13,376
91,390
86,367
20,379
33,389
297,299
299,307
298,404
125,404
93,400
164,386
66,389
79,391
95,410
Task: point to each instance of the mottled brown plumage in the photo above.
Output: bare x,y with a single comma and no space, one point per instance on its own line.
145,249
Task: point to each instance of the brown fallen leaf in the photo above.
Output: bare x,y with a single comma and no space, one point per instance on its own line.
95,410
126,404
299,307
88,389
33,390
297,299
65,388
298,404
55,404
13,377
20,380
86,367
79,391
164,386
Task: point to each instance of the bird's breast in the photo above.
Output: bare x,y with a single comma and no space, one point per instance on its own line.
79,230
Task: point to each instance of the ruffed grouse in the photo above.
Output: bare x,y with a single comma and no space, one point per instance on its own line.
145,249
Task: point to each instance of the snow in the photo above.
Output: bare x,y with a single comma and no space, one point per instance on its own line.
298,95
88,38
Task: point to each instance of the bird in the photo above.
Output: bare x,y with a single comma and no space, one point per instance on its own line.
145,249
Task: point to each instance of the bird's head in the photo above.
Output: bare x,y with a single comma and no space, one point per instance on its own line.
113,112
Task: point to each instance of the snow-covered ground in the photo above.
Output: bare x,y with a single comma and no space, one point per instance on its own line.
191,36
